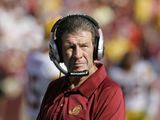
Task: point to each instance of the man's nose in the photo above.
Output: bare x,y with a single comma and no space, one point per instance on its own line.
77,52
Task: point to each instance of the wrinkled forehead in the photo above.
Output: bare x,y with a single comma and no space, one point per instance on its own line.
81,36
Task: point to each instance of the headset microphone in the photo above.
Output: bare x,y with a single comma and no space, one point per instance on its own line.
79,73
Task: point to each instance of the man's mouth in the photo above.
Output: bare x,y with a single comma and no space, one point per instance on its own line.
77,65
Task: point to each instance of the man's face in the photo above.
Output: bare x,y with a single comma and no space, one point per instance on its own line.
77,50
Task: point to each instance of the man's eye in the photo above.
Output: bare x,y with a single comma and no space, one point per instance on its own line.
84,46
70,47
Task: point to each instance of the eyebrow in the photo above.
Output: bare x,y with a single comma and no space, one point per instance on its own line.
80,43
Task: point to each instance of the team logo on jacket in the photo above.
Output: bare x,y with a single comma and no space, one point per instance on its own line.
76,110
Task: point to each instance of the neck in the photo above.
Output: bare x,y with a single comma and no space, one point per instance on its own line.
76,81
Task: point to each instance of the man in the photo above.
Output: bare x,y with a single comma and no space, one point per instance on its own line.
86,92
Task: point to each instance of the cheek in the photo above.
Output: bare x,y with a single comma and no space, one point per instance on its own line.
89,55
66,56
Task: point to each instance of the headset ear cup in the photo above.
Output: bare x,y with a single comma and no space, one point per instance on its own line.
95,52
51,54
53,51
99,46
59,49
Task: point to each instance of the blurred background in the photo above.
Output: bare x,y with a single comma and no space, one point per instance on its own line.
132,52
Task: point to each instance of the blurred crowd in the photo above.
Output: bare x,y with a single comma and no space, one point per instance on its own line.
131,30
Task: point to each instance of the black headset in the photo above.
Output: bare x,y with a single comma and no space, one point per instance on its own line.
55,50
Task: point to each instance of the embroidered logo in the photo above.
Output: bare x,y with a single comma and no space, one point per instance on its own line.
76,110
